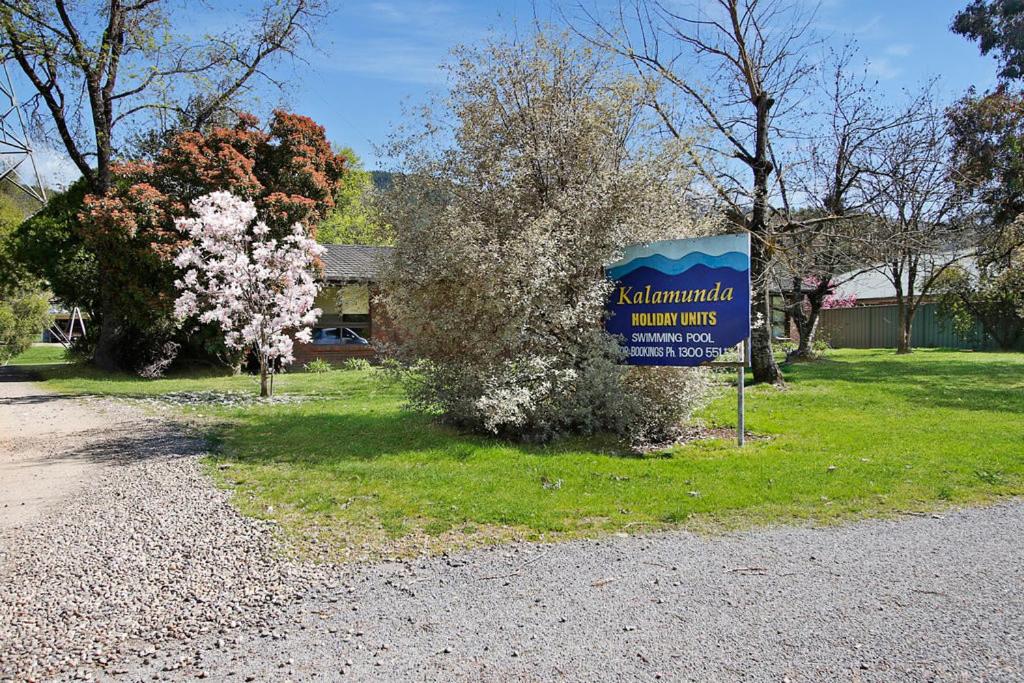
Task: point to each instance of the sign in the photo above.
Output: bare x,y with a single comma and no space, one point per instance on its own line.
681,302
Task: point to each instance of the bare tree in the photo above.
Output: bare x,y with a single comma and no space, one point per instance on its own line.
99,67
836,162
96,67
921,226
730,71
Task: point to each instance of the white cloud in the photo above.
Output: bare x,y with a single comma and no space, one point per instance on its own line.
899,50
419,14
871,28
55,167
406,41
387,11
392,59
883,69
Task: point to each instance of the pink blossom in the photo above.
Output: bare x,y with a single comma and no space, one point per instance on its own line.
259,291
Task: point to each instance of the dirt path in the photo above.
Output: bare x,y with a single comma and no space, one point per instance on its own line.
40,435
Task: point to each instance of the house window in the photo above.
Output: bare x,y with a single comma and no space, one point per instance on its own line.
346,315
780,322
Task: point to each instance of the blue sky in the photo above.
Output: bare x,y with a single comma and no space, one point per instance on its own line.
376,55
381,53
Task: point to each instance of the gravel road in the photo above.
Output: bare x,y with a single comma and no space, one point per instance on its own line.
148,573
917,599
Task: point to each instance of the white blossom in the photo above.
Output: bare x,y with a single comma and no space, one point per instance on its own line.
516,194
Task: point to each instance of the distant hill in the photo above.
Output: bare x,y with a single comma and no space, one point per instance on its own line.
382,180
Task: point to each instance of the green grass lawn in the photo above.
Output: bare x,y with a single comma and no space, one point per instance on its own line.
861,433
41,354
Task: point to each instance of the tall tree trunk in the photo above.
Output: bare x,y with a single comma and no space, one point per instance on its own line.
807,328
906,326
107,354
762,360
908,301
905,323
805,308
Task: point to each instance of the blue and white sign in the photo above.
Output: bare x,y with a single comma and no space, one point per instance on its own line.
681,302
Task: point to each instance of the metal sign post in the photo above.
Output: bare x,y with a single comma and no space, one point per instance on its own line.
741,381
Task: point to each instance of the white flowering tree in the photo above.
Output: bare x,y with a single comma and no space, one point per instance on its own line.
259,289
526,180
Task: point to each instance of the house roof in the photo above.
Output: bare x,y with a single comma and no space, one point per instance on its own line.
867,285
875,283
354,262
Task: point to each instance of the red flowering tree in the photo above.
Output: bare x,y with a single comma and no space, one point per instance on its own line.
287,170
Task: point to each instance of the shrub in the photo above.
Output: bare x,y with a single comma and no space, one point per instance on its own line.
357,364
497,282
660,401
23,315
391,371
318,366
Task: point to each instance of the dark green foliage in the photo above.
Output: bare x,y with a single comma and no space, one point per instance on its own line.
998,28
49,246
988,149
994,296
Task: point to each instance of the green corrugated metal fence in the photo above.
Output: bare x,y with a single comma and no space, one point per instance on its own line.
873,327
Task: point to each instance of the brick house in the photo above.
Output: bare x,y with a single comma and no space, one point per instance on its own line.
352,322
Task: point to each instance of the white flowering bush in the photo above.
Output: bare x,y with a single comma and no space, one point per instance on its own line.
258,288
497,284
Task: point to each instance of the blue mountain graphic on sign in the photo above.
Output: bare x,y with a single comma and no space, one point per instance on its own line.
731,259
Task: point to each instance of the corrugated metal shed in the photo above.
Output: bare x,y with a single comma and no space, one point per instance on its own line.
872,327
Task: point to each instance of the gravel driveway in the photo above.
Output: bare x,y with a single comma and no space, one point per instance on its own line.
148,573
137,551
